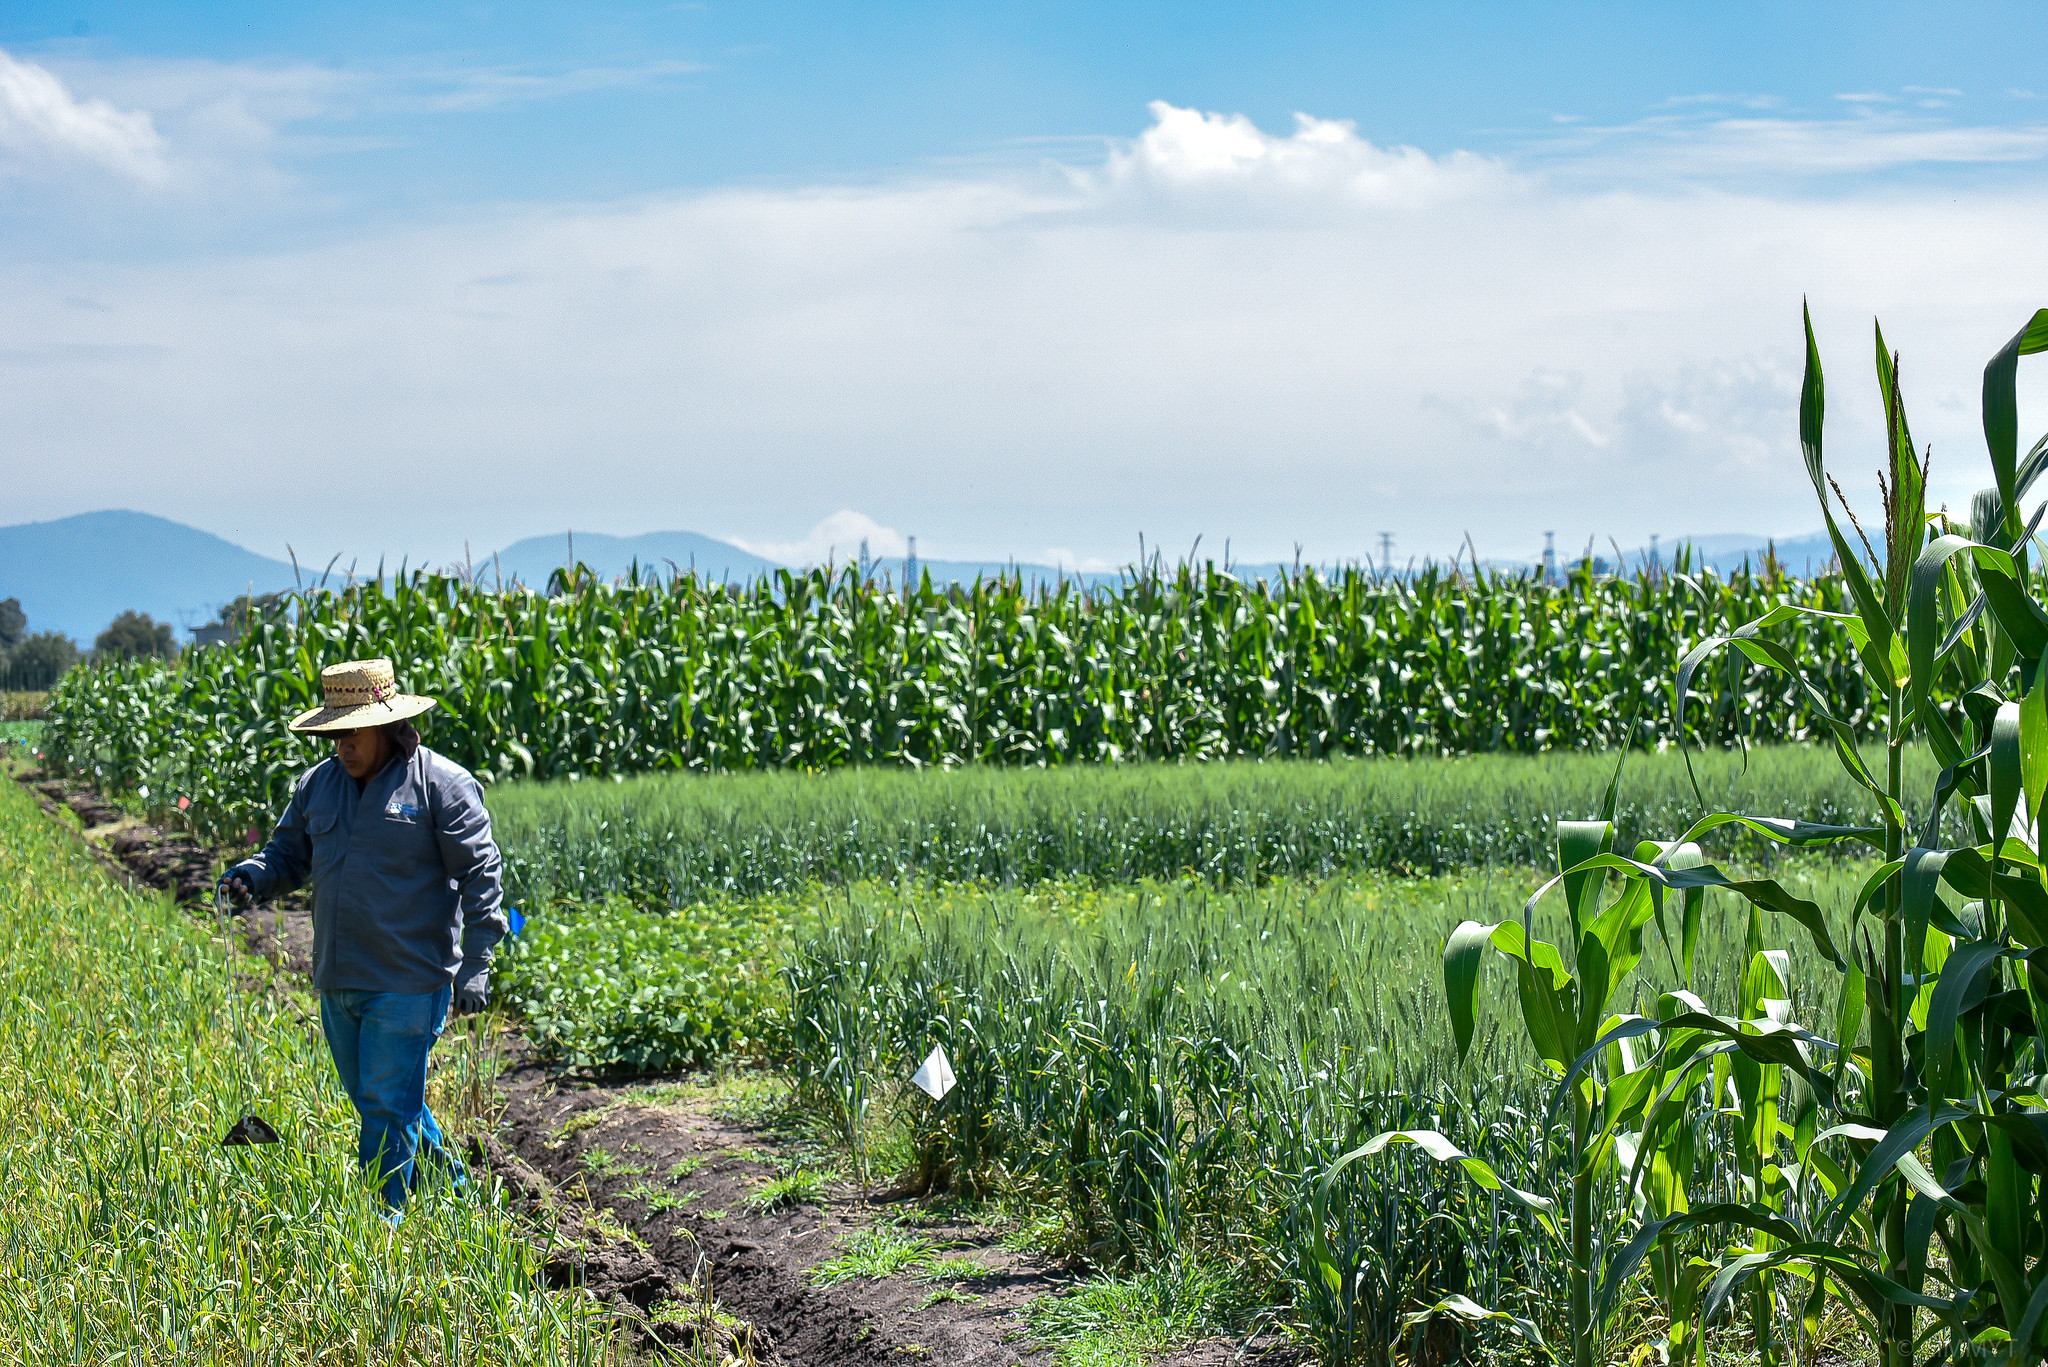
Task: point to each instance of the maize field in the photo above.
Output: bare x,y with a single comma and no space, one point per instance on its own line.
1408,1033
812,672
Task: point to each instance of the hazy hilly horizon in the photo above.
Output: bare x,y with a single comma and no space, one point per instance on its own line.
75,574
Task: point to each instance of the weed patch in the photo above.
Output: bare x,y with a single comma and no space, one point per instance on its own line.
602,1164
579,1122
957,1268
1122,1321
873,1253
799,1187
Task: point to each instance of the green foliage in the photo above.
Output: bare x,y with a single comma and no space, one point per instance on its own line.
1164,1075
677,838
133,1236
37,662
1125,1321
874,1252
614,987
811,672
608,985
957,1268
798,1187
136,636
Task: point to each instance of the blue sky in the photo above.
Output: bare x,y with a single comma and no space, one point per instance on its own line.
1019,280
449,105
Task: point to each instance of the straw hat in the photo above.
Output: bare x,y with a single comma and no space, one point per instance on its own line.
359,693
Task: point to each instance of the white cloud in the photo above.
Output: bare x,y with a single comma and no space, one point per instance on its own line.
1064,558
275,94
488,87
1002,360
44,126
1690,150
1546,408
836,540
1786,145
1188,149
235,136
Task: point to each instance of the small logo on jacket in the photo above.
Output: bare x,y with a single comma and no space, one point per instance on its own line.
404,811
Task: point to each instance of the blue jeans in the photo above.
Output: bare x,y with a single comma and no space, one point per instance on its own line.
380,1042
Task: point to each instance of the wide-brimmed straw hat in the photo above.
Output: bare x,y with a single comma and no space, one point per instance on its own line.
359,693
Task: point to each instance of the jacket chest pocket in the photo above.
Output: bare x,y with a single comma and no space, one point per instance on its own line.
329,841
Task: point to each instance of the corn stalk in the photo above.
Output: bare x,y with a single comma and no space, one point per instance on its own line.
814,670
1922,1202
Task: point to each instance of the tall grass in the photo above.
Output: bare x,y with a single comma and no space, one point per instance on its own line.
1176,1068
812,671
673,839
660,907
128,1234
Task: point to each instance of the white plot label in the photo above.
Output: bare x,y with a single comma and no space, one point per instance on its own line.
935,1075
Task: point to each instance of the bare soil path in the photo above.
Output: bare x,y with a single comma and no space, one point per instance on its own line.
665,1165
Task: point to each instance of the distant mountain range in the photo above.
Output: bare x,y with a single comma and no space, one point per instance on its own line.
1800,555
533,560
76,574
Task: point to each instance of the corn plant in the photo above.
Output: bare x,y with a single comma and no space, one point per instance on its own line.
815,670
1948,1071
1952,1042
1571,1016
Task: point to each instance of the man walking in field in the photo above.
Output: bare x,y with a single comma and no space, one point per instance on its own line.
406,906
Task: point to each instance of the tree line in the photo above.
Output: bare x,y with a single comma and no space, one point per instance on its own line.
32,663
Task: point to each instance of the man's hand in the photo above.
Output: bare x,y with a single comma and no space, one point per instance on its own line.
473,993
237,891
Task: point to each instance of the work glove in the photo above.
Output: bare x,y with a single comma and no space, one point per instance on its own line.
473,993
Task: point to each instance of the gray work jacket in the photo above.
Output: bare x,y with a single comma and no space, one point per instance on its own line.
405,874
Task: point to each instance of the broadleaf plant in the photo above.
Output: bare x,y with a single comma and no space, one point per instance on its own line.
1898,1173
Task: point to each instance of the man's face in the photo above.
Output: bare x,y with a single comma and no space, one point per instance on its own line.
362,752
